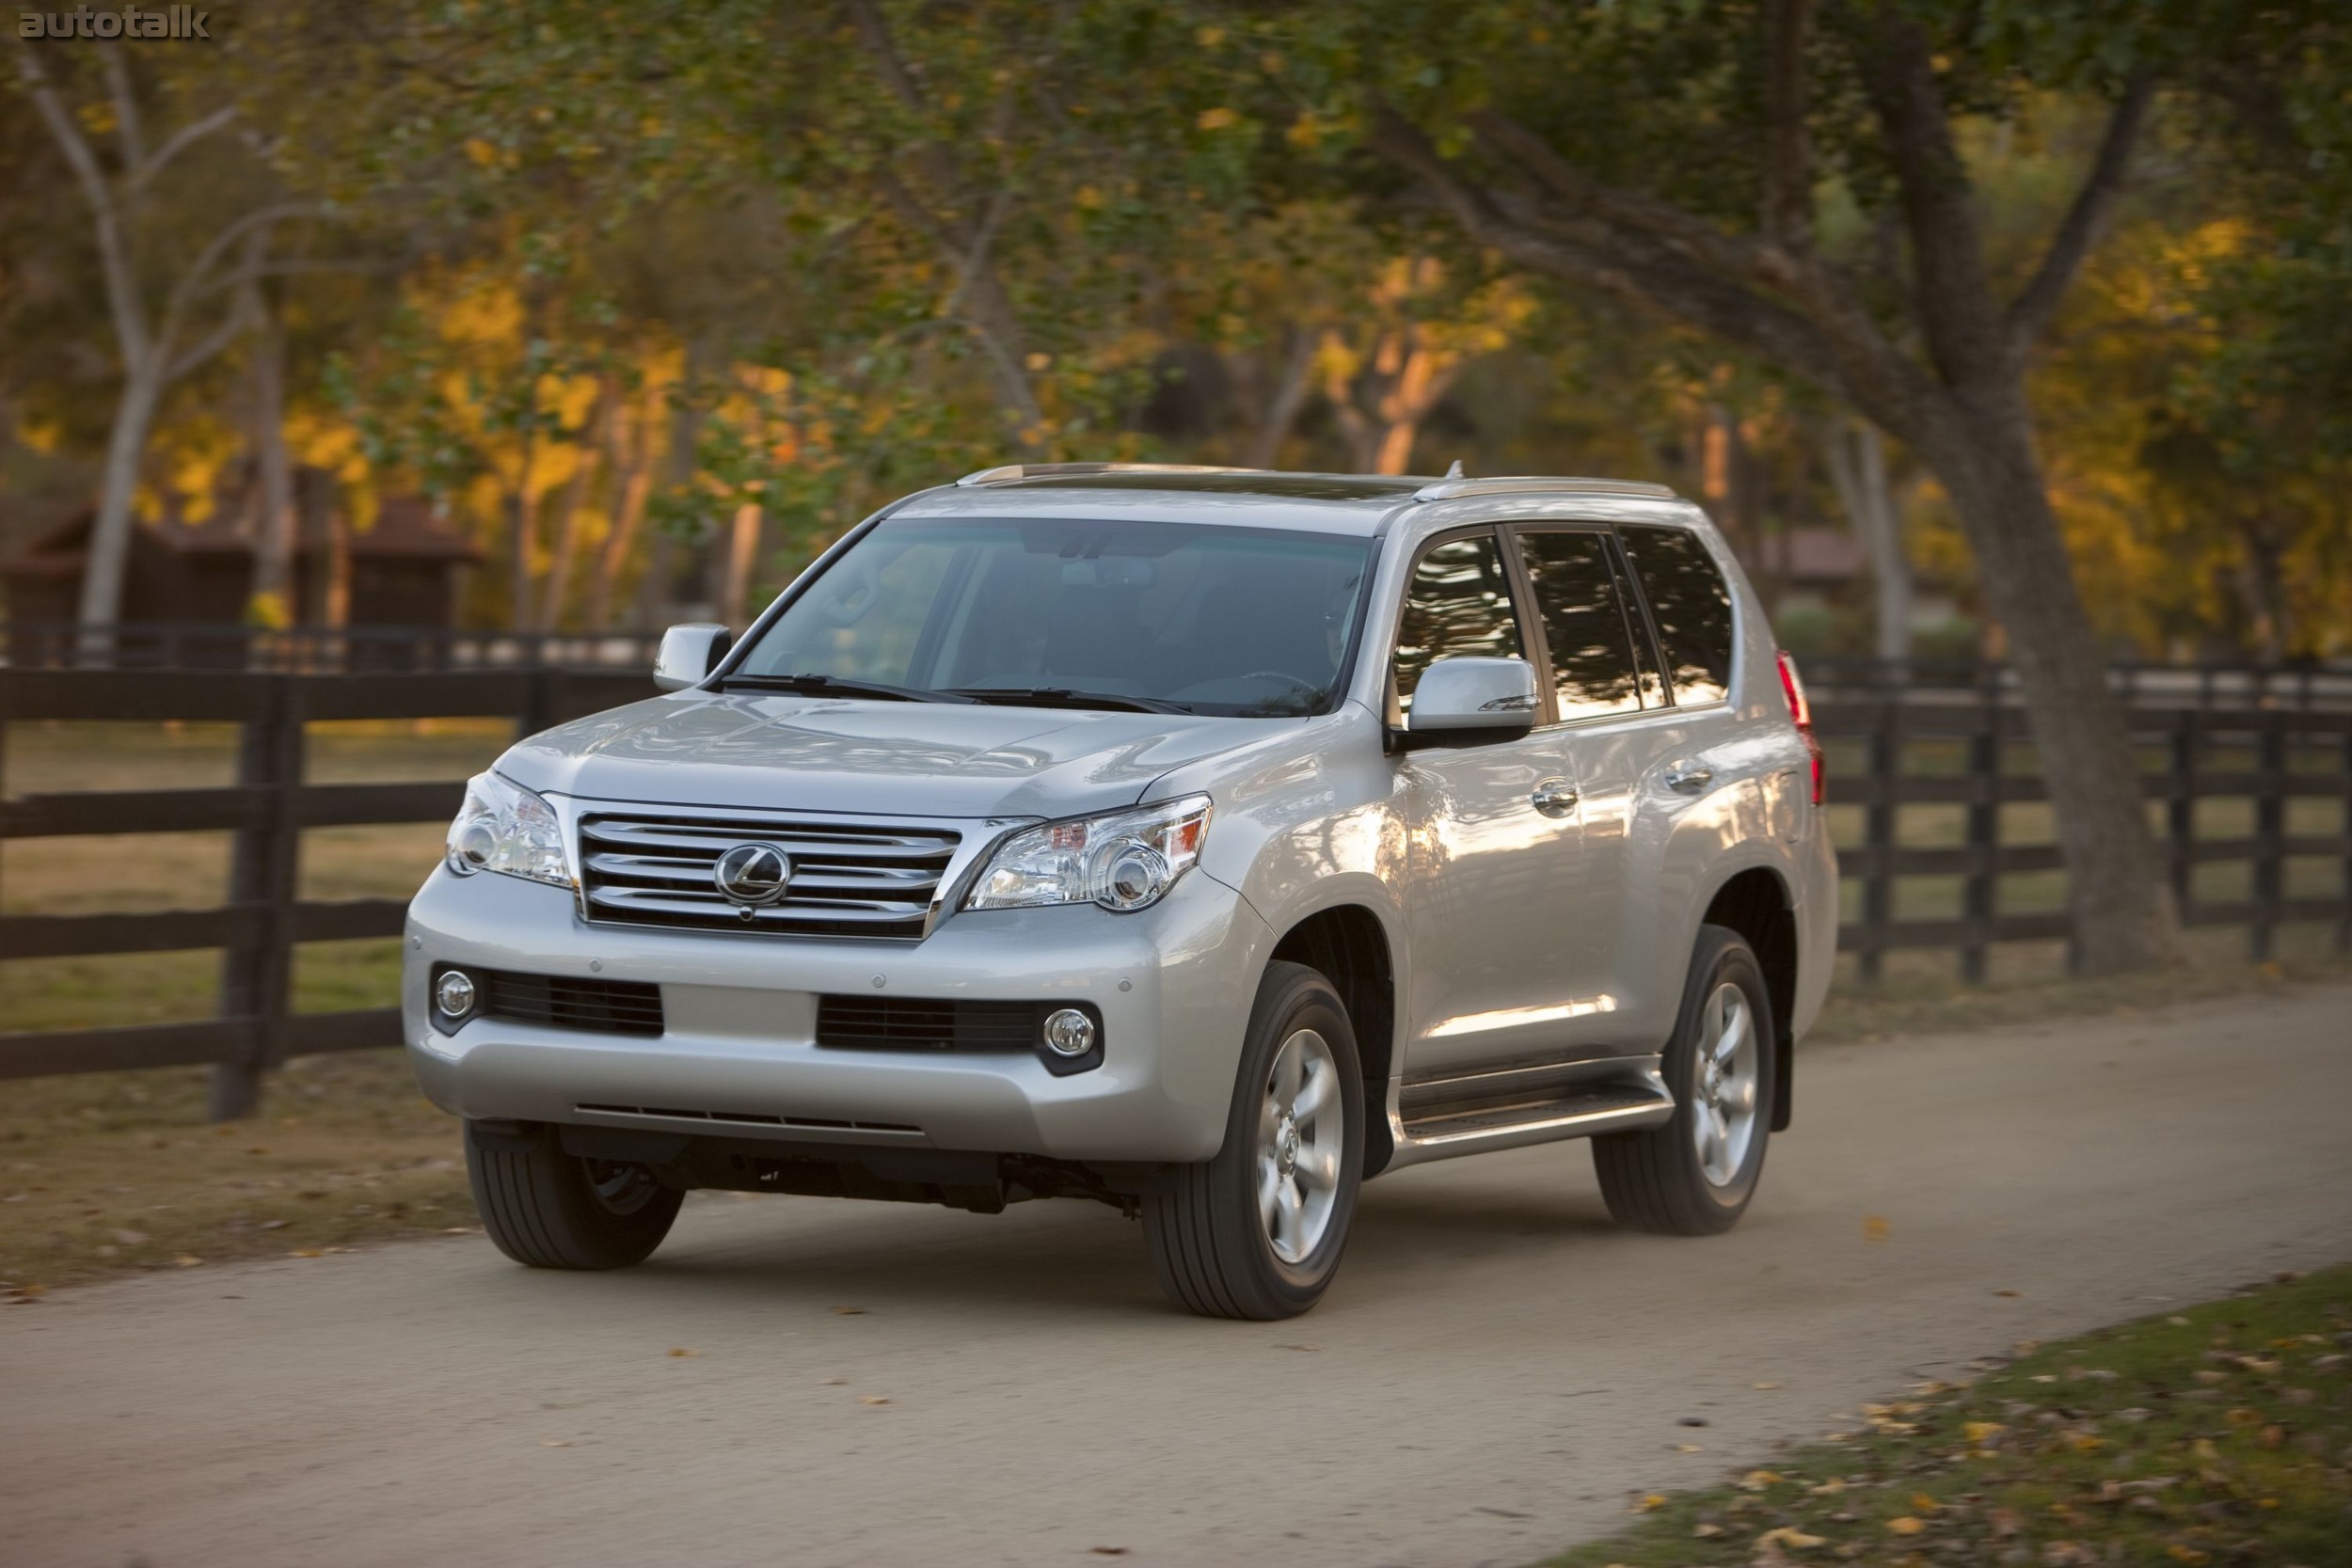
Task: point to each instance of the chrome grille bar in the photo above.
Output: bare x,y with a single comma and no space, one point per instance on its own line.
861,879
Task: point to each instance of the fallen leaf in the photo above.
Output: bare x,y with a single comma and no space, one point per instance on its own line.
871,1399
1707,1532
306,1252
188,1260
1981,1433
2208,1376
1875,1229
273,1224
1108,1551
555,1442
1691,1421
1688,1448
833,1383
1789,1536
1765,1386
1905,1525
1925,1504
681,1351
131,1238
848,1311
1652,1503
1755,1480
2011,1293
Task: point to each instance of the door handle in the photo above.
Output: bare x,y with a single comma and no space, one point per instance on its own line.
1689,780
1555,797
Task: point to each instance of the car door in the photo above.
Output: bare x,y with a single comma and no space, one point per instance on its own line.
1493,874
1609,722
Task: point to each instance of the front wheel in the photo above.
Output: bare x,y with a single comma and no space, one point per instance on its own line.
1257,1230
1694,1175
556,1210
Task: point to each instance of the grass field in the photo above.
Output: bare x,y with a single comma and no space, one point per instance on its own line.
2218,1435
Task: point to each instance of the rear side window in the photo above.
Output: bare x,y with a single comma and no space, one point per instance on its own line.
1584,625
1457,605
1690,606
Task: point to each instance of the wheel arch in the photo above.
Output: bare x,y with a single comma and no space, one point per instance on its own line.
1756,903
1349,945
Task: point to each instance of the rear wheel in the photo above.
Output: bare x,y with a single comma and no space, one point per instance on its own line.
1695,1175
1257,1231
556,1210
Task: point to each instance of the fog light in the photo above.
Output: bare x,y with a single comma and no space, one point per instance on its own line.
1069,1032
453,993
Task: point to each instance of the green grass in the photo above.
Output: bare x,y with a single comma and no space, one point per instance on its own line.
2221,1435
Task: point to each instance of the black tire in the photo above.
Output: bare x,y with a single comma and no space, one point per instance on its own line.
551,1209
1209,1241
1657,1181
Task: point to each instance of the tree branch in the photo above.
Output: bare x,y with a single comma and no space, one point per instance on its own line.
1789,155
194,283
114,258
2030,313
179,142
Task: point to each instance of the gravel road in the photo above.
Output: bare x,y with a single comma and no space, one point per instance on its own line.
1495,1373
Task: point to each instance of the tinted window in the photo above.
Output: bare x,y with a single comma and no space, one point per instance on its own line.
1213,619
1692,609
1584,625
1459,605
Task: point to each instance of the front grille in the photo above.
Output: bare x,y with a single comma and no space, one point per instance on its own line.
602,1006
857,879
906,1023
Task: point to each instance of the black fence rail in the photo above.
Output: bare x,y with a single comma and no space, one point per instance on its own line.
314,650
2266,760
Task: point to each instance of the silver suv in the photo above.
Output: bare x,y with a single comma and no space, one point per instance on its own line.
1201,842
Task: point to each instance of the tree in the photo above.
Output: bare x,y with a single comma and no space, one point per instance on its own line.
1933,348
157,340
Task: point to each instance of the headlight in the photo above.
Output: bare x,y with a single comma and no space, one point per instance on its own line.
505,827
1124,860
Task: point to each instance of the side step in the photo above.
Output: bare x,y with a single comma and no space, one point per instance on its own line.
1440,1119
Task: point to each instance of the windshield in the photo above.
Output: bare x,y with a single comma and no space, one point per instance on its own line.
1189,617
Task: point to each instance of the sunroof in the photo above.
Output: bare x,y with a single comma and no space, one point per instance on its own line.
1312,487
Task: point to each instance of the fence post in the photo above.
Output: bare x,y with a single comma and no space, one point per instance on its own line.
1983,836
2270,826
256,974
1878,831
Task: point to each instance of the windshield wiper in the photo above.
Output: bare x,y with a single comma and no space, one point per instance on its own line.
1062,696
834,686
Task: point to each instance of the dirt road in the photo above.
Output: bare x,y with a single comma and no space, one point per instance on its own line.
1496,1370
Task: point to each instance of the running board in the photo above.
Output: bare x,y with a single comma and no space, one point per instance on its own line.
1444,1130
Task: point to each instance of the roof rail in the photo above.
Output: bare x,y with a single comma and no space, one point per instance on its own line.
1013,473
1508,484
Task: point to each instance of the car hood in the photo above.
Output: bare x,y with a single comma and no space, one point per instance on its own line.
772,752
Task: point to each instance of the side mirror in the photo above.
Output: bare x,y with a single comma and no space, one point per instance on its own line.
1472,700
688,654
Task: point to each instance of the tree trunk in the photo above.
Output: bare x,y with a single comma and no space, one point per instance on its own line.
550,617
271,603
1856,455
106,560
2121,907
520,540
633,484
1290,396
741,547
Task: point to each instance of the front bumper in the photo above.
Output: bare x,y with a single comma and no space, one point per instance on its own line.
1174,984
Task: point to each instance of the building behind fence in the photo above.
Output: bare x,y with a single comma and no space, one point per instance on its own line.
2266,753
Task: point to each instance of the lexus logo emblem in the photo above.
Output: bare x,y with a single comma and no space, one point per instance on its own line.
751,875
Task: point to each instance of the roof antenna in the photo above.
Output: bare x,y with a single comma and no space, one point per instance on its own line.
1455,471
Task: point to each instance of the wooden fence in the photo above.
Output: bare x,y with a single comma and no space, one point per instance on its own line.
2265,758
267,810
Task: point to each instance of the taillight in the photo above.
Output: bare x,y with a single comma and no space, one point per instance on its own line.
1801,712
